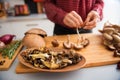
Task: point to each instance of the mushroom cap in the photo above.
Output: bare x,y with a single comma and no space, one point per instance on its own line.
33,41
37,31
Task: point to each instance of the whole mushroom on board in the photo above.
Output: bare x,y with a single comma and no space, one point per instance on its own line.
34,38
111,37
37,31
55,43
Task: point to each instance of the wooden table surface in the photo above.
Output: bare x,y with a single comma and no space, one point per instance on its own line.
95,53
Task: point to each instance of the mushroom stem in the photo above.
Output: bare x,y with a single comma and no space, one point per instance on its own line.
67,44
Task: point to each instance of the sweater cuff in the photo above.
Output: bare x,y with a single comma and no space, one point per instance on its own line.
61,17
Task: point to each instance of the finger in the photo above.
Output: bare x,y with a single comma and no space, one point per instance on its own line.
89,27
88,19
77,17
91,23
74,19
69,22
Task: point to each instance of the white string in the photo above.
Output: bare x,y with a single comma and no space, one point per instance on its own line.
78,32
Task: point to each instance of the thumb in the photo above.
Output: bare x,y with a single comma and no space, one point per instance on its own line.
87,20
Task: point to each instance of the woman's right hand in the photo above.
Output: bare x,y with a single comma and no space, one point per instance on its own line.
73,20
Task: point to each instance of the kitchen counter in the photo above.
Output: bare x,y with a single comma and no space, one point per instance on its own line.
23,18
108,72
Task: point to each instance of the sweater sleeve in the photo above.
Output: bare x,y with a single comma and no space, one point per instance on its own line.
99,4
54,13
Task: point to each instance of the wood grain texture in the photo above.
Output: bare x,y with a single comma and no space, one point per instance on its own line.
8,62
95,53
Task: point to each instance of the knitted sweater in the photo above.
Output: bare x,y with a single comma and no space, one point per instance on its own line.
57,9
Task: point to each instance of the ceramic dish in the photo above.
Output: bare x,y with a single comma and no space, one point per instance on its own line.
73,67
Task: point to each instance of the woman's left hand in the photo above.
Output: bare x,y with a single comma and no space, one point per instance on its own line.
91,21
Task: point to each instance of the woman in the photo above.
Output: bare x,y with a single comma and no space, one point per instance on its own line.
68,15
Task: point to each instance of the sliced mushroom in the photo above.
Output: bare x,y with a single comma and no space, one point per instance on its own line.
40,55
67,44
78,45
50,59
46,63
85,42
53,64
67,61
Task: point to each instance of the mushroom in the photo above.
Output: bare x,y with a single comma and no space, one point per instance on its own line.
111,47
78,45
34,38
107,30
67,44
81,43
55,43
37,31
111,37
117,45
107,36
85,42
116,38
33,41
117,53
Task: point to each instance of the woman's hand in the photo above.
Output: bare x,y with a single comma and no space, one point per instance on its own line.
91,21
73,20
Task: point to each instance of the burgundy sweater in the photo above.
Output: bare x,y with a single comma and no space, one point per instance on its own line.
57,9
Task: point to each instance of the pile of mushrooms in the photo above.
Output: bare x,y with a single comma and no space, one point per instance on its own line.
34,38
49,59
81,43
111,37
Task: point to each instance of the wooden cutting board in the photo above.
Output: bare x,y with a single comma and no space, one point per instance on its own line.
8,62
95,53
